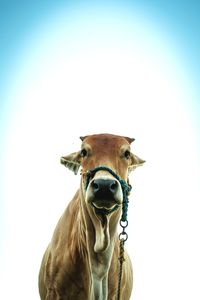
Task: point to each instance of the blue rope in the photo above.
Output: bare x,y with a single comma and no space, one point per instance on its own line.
126,188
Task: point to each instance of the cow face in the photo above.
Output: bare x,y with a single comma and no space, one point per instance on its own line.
104,149
104,190
103,194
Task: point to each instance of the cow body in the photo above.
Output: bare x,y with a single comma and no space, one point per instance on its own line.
81,261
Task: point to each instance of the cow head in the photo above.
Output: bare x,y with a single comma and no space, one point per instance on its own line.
102,192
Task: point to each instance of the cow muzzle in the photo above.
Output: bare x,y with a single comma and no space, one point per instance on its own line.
106,191
104,194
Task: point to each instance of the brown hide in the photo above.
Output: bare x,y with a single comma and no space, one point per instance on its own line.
81,261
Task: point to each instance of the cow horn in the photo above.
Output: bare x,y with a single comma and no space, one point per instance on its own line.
83,137
130,140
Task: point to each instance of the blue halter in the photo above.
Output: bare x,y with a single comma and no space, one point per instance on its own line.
126,188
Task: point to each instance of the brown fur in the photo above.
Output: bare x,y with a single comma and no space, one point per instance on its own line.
70,267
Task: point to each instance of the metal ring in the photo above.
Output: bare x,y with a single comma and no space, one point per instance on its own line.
125,225
123,238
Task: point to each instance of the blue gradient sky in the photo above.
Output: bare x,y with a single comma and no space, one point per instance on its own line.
24,24
178,19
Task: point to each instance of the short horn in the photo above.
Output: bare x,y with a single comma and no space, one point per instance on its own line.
82,138
130,140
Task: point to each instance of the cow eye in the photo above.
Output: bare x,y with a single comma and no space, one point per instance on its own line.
127,154
83,153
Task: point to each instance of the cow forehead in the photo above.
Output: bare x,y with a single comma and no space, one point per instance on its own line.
99,141
106,149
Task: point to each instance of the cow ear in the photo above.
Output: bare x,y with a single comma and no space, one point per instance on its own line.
135,162
72,161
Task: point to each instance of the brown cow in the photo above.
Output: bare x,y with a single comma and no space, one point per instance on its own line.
81,261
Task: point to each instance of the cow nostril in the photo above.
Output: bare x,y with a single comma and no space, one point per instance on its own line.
95,186
113,187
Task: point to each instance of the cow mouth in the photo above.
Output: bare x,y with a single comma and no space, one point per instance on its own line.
100,208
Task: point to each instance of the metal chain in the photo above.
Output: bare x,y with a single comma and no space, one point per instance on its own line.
123,236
